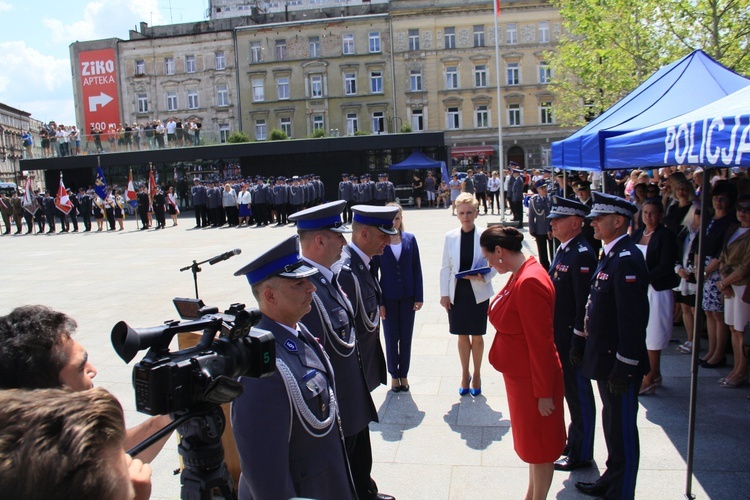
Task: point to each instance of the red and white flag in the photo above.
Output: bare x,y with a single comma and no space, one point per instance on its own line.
130,194
497,7
151,183
29,200
62,202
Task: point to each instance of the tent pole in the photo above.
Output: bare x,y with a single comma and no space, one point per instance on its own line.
700,266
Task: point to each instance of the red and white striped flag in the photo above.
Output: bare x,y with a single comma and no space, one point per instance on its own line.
29,200
62,202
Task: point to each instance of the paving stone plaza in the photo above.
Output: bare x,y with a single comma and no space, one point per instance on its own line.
430,442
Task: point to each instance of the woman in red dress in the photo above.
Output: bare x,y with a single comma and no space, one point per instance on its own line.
524,351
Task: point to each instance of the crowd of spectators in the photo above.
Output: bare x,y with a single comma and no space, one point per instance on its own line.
59,140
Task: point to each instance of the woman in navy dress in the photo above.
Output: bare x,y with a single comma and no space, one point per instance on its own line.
401,281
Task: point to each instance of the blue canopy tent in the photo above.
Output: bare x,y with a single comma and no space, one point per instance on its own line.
717,134
419,160
689,83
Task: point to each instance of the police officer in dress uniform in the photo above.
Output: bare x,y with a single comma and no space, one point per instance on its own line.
571,272
160,205
371,231
583,194
332,321
144,205
516,196
539,210
480,187
381,191
280,200
84,204
287,426
612,350
345,193
198,194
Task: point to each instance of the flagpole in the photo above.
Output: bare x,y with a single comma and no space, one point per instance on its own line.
499,115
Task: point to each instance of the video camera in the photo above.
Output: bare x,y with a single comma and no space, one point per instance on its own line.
167,382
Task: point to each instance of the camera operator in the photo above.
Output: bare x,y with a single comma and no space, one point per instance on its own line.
37,351
58,444
287,426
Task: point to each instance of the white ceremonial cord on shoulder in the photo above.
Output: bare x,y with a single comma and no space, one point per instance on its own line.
330,332
309,421
369,325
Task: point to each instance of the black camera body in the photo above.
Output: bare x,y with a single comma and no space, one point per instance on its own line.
168,382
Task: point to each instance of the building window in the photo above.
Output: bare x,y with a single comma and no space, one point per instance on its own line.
449,35
545,113
376,82
483,117
256,53
260,130
192,99
286,126
318,123
347,44
374,42
417,120
189,64
169,66
316,86
280,50
514,115
378,122
223,133
282,84
259,90
413,39
350,83
140,67
222,95
171,101
352,123
142,103
511,34
453,119
451,77
478,36
314,44
545,72
480,75
220,62
513,74
544,32
415,80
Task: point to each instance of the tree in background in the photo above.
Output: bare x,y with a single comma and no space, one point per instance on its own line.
609,47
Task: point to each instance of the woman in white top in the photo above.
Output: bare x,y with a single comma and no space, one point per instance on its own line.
493,186
244,200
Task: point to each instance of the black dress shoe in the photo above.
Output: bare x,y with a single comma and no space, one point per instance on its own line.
382,496
568,464
596,489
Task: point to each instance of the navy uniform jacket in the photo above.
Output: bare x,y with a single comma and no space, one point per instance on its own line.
391,191
617,314
516,189
199,195
345,190
355,403
143,202
347,269
296,195
280,194
588,231
213,197
381,191
402,278
279,458
571,273
84,200
539,208
480,182
365,192
260,194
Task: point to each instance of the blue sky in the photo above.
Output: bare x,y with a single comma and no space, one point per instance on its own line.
35,74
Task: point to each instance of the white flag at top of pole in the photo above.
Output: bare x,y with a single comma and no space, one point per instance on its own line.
62,202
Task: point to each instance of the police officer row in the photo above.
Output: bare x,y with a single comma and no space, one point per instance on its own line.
364,191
